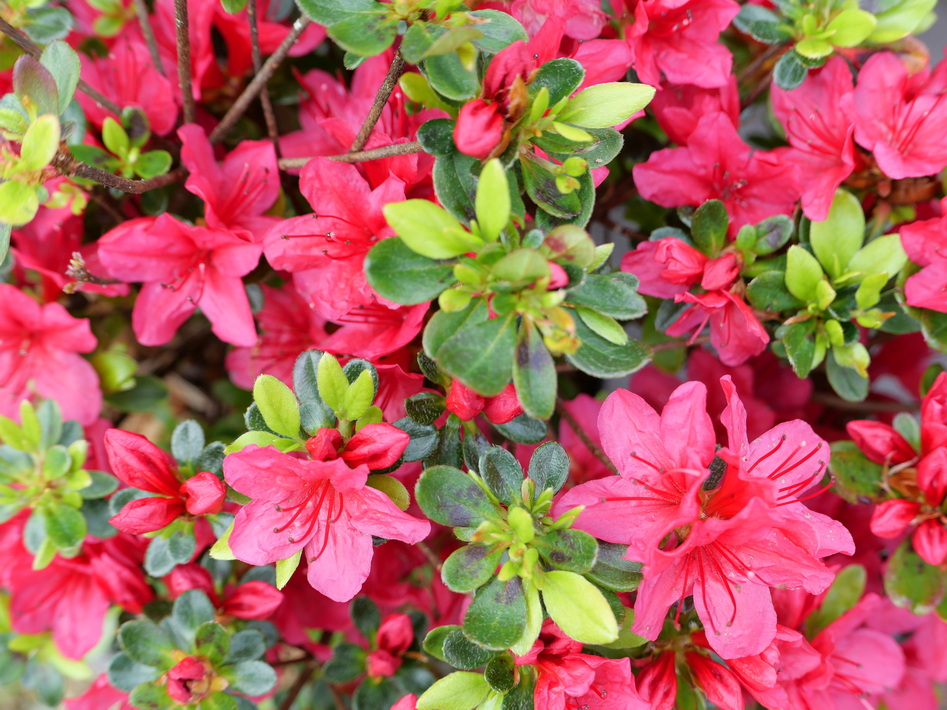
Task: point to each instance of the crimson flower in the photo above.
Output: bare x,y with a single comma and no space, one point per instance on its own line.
39,355
567,678
323,508
466,404
394,637
723,526
140,464
717,164
924,471
253,599
183,267
926,245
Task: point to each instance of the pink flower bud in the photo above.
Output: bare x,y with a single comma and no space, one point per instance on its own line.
205,494
879,442
720,273
325,445
382,664
190,576
253,600
181,678
657,682
479,128
891,517
560,278
395,633
147,515
504,407
930,541
463,401
376,445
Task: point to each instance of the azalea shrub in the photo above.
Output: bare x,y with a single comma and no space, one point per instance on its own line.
497,355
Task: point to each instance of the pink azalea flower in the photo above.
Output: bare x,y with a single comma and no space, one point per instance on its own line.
677,39
39,357
901,118
100,696
128,77
678,107
728,543
925,243
467,404
735,331
568,678
582,19
140,464
250,600
394,637
819,131
183,267
236,192
324,508
717,164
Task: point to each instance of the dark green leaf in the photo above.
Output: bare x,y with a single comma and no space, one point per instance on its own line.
600,358
444,325
147,395
103,484
366,34
328,12
772,234
709,227
461,653
433,643
560,77
541,187
448,77
534,373
523,430
549,467
365,616
615,295
251,677
570,550
502,473
451,497
125,674
455,184
599,152
800,346
500,673
423,439
497,616
762,25
586,195
790,71
470,567
425,407
376,694
347,663
612,571
187,442
212,642
481,356
846,382
190,610
418,40
246,645
448,450
46,24
912,583
146,643
403,276
859,479
768,292
437,137
499,30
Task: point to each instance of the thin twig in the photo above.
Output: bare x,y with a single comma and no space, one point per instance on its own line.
583,436
184,59
387,151
34,50
381,98
67,165
830,400
435,561
240,106
760,59
676,344
305,675
144,21
268,115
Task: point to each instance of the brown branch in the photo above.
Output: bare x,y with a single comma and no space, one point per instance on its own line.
271,128
830,400
240,106
387,151
69,166
34,50
305,675
381,98
144,21
584,437
758,62
184,59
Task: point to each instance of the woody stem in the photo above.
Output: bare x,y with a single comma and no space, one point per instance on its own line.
381,98
360,156
305,675
141,10
67,165
268,115
184,59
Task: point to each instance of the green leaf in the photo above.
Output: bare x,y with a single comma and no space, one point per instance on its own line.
450,78
569,550
493,200
499,30
212,641
366,34
329,12
859,479
606,105
462,653
102,485
761,24
902,18
851,27
30,78
433,643
772,234
560,77
418,39
125,674
332,382
232,7
152,164
359,396
245,646
846,382
604,326
883,254
423,439
912,583
114,137
347,662
846,590
579,608
65,526
261,439
450,497
146,643
278,405
187,442
457,691
768,292
549,467
497,616
47,24
501,673
437,135
803,274
534,373
190,610
285,569
790,71
709,227
18,204
481,356
600,358
401,275
502,473
430,230
541,187
612,571
40,143
306,378
63,63
365,615
251,677
470,567
836,239
146,396
5,231
151,696
800,346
